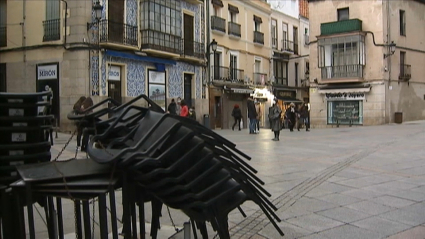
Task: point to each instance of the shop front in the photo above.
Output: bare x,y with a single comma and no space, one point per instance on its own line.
285,97
231,97
264,98
345,106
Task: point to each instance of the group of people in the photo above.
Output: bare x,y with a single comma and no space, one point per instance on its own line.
180,108
293,116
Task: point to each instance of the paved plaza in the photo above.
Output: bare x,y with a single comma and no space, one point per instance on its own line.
347,182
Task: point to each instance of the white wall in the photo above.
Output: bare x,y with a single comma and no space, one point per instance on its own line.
288,7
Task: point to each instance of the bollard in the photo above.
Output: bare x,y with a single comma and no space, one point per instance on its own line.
186,228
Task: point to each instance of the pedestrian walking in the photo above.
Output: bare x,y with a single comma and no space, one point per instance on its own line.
252,115
184,112
258,110
78,124
276,123
291,116
237,116
172,107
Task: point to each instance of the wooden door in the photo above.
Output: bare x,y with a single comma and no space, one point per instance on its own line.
188,35
116,21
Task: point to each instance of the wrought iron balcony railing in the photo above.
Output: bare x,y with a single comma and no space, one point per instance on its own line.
405,72
221,73
120,33
274,43
260,78
161,41
51,30
258,37
234,29
287,46
218,23
296,48
3,36
344,71
281,81
192,48
236,75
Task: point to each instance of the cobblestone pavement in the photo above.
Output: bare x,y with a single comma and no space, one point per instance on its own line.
347,182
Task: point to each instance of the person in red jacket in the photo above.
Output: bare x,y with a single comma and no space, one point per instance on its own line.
184,111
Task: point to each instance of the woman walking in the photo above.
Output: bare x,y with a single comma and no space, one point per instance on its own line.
291,114
184,112
276,123
237,115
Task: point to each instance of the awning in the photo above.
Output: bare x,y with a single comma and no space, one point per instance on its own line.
289,100
139,58
233,9
242,90
258,19
344,90
217,3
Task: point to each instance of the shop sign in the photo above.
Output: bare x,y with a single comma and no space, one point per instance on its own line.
47,72
286,94
345,96
114,73
243,91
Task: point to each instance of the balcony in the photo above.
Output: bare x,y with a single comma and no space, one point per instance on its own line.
218,24
344,71
405,72
221,73
51,30
193,49
287,46
283,81
234,29
274,43
259,37
260,79
159,41
330,28
118,33
236,75
3,36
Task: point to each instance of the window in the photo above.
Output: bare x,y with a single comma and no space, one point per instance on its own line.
274,33
342,57
296,74
343,14
217,11
285,36
161,16
257,66
295,39
233,67
233,17
345,112
280,72
257,26
402,23
52,23
3,22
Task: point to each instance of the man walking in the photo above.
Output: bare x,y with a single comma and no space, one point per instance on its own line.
252,115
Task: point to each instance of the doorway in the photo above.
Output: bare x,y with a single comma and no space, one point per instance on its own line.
54,86
217,112
114,91
188,89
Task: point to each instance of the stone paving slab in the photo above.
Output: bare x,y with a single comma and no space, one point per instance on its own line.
330,183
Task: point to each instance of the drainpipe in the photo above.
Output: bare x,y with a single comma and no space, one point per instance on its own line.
389,61
24,40
66,17
208,33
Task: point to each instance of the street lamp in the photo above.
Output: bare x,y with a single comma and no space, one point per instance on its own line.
392,47
211,46
97,8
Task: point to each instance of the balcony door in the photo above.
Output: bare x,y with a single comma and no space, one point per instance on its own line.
233,67
218,74
116,21
188,35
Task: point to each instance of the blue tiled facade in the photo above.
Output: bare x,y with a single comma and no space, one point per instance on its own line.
136,71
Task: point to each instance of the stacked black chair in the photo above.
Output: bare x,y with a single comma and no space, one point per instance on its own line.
23,140
183,164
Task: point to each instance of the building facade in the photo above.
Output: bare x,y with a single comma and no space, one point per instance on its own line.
290,57
367,62
241,62
135,47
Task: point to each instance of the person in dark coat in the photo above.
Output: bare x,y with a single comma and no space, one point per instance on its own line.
237,115
291,116
252,115
77,110
276,123
87,103
172,107
303,118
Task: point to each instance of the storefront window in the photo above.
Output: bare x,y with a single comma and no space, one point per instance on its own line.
345,112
